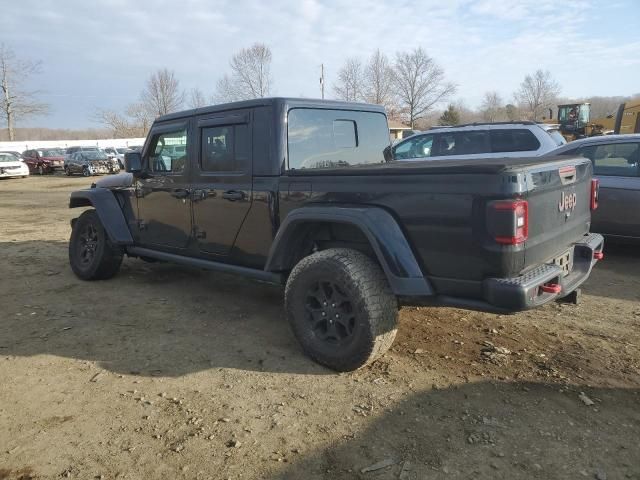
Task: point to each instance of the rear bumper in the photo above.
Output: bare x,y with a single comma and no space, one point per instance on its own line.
525,291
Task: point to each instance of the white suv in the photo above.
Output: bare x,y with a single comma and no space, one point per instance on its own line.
480,140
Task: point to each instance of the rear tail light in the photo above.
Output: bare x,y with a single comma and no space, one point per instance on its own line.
598,255
595,190
509,221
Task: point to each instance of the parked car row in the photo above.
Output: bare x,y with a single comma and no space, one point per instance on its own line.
71,160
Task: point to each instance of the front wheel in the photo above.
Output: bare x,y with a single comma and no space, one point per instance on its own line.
86,172
91,254
67,172
341,308
40,170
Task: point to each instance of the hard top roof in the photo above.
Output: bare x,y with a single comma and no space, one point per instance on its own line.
258,102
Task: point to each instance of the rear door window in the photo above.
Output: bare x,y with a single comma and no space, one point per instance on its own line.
225,148
319,138
469,142
513,140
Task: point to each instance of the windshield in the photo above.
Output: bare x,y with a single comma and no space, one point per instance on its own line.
94,155
557,137
8,157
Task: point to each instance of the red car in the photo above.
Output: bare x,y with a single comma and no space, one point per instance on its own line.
45,160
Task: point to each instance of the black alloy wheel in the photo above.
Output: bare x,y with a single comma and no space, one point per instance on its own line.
330,313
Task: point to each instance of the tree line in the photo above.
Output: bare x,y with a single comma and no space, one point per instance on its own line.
412,87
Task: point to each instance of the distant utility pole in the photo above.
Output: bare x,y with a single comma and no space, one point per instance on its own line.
322,79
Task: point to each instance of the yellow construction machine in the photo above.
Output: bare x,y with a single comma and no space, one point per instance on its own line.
574,120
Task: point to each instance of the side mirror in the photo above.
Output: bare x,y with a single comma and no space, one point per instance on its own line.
133,162
388,153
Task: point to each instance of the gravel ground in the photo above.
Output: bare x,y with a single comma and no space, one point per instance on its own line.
170,372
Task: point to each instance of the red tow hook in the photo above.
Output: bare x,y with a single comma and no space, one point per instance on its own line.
551,288
598,255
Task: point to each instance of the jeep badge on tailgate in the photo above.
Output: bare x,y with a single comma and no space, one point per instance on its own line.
568,201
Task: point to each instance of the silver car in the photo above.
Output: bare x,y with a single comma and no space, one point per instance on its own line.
479,140
616,163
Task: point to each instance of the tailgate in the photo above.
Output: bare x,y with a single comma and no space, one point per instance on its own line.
559,196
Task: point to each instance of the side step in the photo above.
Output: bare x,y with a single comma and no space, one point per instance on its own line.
253,273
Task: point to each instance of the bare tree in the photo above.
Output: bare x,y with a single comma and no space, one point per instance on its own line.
226,90
135,122
162,94
141,117
420,84
196,98
492,107
118,124
378,81
537,93
17,102
350,83
250,75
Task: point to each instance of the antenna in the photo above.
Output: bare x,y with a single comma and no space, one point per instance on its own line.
322,79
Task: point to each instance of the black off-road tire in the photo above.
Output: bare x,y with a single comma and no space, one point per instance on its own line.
367,308
92,256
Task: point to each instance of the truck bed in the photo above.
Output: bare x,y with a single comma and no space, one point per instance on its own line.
443,206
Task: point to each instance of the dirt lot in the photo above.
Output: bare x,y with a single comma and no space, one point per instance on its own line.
169,372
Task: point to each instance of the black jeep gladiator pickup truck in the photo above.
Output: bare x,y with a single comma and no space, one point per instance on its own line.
298,193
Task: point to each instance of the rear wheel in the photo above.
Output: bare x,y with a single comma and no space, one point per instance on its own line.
67,171
91,254
341,308
40,169
86,172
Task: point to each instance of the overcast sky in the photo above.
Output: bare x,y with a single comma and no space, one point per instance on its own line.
97,54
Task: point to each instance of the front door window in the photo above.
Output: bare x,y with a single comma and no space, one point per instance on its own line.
169,152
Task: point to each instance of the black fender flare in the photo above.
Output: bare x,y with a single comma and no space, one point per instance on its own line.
381,230
109,212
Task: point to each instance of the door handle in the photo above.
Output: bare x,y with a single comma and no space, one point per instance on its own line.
233,195
180,193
